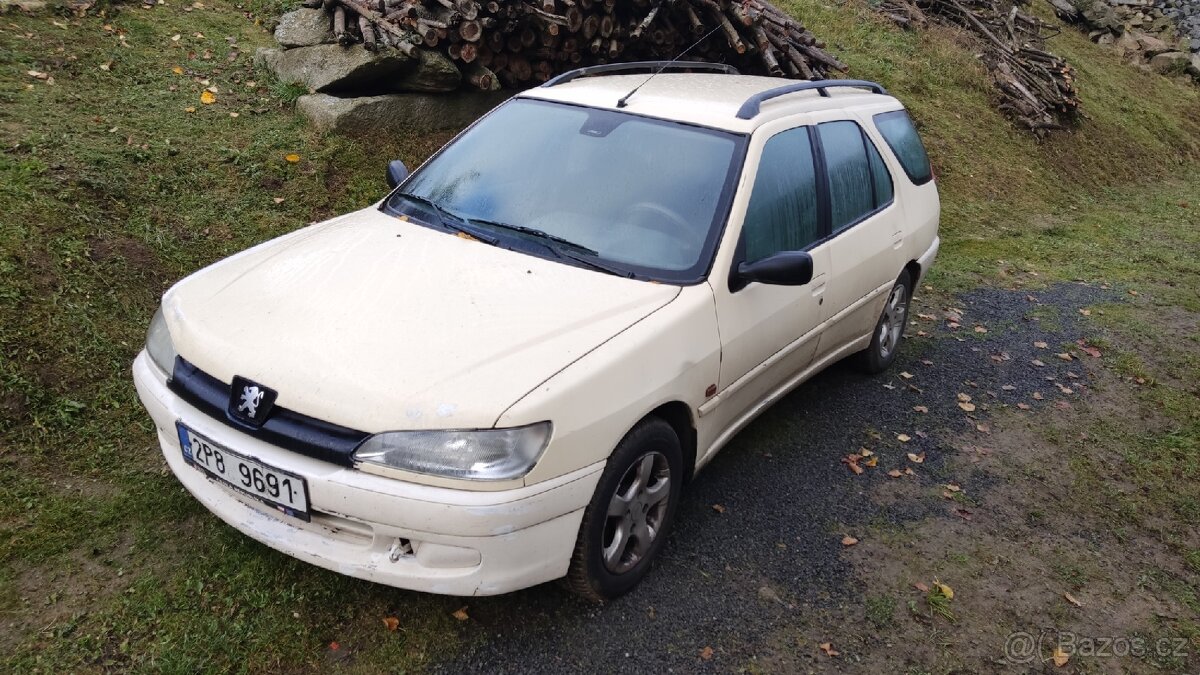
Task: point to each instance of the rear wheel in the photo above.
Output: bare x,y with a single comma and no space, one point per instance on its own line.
889,330
627,520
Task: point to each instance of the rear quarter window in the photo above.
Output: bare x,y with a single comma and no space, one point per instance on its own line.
897,129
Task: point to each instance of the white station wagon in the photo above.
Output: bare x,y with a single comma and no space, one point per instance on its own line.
507,371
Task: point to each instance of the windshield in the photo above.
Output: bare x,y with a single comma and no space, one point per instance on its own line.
607,189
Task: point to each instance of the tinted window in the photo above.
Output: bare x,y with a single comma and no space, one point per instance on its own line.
851,195
880,178
901,136
782,213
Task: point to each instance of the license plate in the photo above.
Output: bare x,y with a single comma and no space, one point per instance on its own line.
284,491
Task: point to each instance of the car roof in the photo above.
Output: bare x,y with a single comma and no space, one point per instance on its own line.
706,99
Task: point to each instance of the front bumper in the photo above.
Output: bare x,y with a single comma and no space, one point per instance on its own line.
419,537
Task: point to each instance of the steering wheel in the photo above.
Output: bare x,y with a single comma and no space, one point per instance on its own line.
661,219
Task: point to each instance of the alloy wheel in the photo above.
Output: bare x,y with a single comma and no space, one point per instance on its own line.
636,512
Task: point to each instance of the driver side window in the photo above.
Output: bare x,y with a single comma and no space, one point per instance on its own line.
782,213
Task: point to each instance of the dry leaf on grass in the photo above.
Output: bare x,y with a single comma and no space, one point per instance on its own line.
292,158
980,329
851,462
903,438
706,653
1064,356
967,407
849,541
1037,363
1037,396
906,375
827,647
965,398
1071,599
1041,344
921,586
461,613
1060,657
207,97
895,473
391,623
915,458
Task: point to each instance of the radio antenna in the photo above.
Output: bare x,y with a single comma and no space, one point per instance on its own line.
624,100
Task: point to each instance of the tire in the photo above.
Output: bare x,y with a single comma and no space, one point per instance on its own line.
889,330
648,459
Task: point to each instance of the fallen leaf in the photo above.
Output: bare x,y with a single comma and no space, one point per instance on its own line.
872,462
718,508
865,452
965,398
1062,405
1008,387
277,200
921,586
1030,298
38,75
927,317
1060,657
1041,345
190,109
1086,349
391,622
1085,312
944,589
1064,356
952,487
969,407
927,362
334,646
906,375
1133,293
908,471
849,541
1037,363
234,114
292,158
983,428
903,438
947,494
176,37
952,325
915,458
106,66
921,409
177,70
1037,396
1071,599
895,473
1024,406
461,613
706,653
207,97
827,647
980,329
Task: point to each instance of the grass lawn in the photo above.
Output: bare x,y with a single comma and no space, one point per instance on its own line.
116,181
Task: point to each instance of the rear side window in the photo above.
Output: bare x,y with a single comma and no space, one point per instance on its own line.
782,214
880,176
898,130
851,194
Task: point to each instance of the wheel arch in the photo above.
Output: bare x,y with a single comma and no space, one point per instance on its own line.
914,272
679,416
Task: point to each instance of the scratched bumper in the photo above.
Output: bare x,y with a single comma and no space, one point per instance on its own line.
418,537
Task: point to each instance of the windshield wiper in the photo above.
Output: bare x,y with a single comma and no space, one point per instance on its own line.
534,232
592,261
450,220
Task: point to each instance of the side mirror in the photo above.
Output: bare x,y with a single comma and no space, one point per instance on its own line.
396,173
786,268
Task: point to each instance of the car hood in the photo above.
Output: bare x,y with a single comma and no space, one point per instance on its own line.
377,324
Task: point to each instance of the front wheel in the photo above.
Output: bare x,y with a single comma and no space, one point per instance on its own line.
627,520
885,341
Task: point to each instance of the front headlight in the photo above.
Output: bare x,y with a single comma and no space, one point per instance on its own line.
159,345
483,454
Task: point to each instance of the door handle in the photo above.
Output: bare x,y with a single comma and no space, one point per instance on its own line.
818,289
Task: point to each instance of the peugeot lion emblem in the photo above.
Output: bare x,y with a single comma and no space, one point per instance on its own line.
250,402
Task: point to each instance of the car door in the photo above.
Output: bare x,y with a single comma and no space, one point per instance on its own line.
866,232
768,332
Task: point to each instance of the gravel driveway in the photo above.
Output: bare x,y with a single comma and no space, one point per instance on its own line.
757,543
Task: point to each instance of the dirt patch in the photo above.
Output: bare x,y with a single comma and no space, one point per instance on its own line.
136,256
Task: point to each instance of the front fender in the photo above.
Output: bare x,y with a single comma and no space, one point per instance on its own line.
673,354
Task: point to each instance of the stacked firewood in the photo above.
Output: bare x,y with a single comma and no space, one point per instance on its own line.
1036,87
516,42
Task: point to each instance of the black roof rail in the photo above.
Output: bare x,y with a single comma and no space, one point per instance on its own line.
640,65
750,108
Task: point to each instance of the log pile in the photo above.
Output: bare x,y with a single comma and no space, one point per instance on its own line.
515,43
1036,87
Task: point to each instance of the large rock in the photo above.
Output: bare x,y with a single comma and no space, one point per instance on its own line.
333,68
1150,44
1169,62
385,115
1101,15
433,71
304,28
